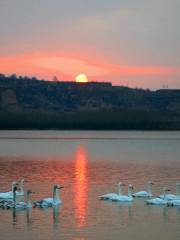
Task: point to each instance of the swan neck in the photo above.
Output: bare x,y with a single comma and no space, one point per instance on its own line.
149,189
164,194
55,194
12,187
177,189
129,192
28,200
119,189
14,196
22,187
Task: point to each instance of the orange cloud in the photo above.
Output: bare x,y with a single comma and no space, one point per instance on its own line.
145,70
67,66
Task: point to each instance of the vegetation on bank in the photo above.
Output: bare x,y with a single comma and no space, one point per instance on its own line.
122,120
28,103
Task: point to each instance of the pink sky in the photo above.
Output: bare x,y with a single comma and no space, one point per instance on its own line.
67,66
125,42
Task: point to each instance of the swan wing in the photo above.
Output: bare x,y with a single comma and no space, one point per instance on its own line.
169,197
46,202
6,195
19,193
108,196
175,202
156,201
141,194
122,198
21,205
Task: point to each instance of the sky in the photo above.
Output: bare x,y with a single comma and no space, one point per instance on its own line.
135,43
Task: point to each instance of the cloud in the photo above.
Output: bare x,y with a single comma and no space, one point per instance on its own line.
47,65
68,65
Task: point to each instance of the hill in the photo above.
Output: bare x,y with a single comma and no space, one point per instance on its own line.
28,103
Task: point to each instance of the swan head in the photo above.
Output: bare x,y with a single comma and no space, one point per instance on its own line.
165,189
121,184
29,191
58,186
150,183
22,181
14,183
131,186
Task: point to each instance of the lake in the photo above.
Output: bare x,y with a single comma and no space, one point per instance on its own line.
89,164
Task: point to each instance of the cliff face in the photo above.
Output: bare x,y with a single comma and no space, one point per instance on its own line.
8,100
92,105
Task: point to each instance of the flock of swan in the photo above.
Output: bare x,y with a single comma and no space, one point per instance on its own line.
9,200
164,199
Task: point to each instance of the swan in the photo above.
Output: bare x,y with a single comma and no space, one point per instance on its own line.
19,205
173,196
8,195
124,198
147,193
5,202
173,203
108,196
49,202
159,201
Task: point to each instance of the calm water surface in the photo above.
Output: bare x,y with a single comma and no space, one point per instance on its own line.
89,164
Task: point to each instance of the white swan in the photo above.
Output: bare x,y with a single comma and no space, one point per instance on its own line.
9,201
19,205
173,196
173,203
124,198
108,196
8,195
159,201
147,193
49,202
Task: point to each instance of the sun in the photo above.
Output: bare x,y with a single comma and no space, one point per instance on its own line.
81,78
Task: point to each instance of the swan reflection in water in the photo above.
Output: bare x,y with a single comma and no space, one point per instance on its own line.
29,217
81,186
14,216
125,212
56,214
16,211
27,213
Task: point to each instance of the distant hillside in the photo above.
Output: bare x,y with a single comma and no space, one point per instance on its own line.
27,103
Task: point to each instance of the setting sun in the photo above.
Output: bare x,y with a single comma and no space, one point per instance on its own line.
81,78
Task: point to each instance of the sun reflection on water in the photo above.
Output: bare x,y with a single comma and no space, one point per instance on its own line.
81,186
